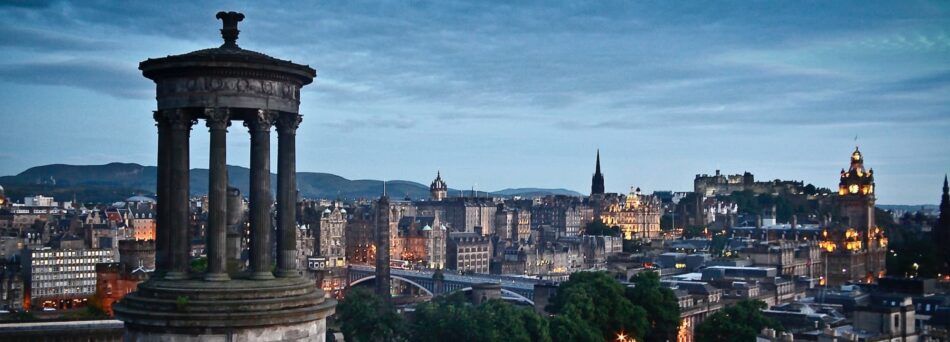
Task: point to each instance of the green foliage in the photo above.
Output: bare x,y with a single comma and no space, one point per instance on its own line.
910,251
597,300
181,303
753,204
199,265
365,317
451,318
660,303
740,322
597,227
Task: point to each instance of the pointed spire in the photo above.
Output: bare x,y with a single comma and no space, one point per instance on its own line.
946,188
597,181
598,162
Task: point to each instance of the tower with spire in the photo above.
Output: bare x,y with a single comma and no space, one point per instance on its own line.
942,228
438,190
597,181
854,246
382,240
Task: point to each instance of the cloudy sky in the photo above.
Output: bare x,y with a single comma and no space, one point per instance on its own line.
497,95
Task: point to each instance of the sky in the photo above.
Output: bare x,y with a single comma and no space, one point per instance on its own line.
514,94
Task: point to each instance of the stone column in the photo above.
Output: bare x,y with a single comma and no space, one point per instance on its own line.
162,229
235,231
180,122
287,194
218,121
259,125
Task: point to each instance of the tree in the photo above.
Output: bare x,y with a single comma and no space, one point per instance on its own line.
740,322
660,303
365,317
599,301
597,227
452,318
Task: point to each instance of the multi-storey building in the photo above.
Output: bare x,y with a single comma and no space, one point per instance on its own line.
421,241
855,246
468,252
61,277
637,215
331,236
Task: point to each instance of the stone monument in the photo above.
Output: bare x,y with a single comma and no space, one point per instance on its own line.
264,301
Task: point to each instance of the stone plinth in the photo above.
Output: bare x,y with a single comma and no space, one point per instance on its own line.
281,309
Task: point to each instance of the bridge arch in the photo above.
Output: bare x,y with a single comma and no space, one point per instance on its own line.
506,291
427,291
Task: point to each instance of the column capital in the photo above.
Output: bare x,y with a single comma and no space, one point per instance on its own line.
180,119
217,118
263,120
287,123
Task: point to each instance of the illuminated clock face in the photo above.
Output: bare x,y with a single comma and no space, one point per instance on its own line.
853,188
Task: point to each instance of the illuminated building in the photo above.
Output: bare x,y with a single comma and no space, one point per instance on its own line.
637,215
61,278
855,246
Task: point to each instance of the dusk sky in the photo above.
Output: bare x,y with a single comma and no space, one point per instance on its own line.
497,95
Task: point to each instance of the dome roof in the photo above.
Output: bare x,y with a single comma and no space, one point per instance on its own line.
427,227
227,60
139,198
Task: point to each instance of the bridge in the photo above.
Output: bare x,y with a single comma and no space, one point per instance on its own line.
512,287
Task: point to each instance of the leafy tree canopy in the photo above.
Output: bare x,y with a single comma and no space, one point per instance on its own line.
660,303
740,322
365,317
599,301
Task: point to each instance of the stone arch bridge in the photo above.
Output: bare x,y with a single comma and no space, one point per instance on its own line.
512,288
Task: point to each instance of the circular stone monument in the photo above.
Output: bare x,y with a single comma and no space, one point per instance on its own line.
266,301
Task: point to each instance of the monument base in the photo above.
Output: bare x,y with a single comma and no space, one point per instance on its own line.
281,309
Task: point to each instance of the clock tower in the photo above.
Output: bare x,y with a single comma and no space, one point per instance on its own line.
854,246
856,195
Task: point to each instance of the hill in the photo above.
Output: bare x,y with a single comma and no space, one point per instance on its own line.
116,181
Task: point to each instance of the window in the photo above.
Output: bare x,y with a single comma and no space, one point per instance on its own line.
897,321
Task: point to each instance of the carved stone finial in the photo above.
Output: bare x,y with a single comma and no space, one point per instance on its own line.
229,31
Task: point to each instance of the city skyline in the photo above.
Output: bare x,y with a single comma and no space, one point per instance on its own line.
495,94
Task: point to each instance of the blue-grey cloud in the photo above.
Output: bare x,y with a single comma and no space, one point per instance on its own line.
100,76
543,81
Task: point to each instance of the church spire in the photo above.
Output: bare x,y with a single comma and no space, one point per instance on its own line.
598,162
946,189
597,181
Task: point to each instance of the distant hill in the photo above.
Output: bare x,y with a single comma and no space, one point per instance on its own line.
532,192
911,208
117,181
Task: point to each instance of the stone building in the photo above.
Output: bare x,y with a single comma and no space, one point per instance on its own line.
719,184
854,247
421,241
468,252
637,215
331,236
11,286
438,189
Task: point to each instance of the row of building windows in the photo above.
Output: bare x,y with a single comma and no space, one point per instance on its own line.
53,292
63,283
55,276
53,269
79,253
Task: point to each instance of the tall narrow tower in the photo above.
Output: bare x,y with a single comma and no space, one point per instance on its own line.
597,182
942,229
383,222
